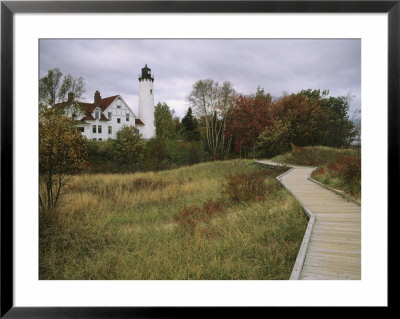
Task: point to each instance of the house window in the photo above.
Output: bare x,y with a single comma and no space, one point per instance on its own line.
97,114
109,115
94,128
151,91
127,117
110,130
118,120
98,128
94,139
119,104
100,139
81,129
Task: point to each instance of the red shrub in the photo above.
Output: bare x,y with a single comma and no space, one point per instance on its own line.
191,215
352,172
333,166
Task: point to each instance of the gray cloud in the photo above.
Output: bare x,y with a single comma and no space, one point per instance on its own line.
277,65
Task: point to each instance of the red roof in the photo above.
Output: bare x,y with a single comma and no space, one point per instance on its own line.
90,107
104,103
88,116
139,122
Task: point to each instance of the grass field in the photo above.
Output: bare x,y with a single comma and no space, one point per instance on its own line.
339,168
208,221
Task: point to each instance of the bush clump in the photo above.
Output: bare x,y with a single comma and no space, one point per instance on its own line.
343,172
188,218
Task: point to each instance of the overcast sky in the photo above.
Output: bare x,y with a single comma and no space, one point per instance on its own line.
112,66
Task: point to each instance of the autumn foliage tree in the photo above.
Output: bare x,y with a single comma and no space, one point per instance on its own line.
304,116
261,126
249,116
330,118
62,152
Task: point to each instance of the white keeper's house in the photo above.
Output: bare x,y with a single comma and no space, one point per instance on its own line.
103,118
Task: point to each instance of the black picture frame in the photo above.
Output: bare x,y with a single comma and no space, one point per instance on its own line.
9,8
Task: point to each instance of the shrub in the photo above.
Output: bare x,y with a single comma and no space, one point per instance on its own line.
343,172
155,153
188,218
185,153
128,146
352,176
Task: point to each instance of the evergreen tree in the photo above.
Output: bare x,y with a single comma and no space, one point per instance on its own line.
189,127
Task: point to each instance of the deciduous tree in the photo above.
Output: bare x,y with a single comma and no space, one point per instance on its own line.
304,116
129,145
62,152
275,139
165,126
54,87
249,116
211,103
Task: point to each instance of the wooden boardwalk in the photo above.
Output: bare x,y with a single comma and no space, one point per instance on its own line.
334,248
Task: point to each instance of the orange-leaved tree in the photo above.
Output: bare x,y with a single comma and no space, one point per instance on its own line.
62,152
249,117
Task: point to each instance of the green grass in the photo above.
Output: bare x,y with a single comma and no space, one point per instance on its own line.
338,168
113,226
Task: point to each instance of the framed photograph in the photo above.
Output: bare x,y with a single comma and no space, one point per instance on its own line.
124,84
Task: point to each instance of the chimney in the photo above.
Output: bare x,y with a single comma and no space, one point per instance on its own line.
97,97
70,97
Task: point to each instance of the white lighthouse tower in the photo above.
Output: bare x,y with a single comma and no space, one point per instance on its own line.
146,102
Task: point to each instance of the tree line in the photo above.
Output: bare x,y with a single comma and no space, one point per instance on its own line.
258,125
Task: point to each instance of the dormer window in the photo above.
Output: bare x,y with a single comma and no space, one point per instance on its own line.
97,114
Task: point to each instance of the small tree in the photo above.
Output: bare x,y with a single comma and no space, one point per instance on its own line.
128,146
275,139
165,126
62,152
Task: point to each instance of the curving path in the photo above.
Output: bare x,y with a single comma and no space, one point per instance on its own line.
334,247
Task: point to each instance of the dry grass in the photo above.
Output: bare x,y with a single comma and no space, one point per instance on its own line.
111,226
